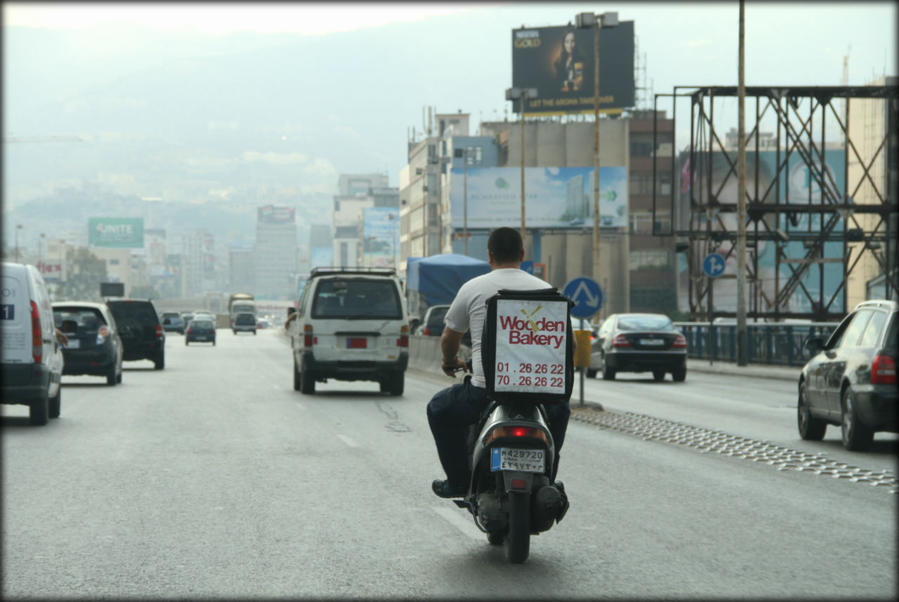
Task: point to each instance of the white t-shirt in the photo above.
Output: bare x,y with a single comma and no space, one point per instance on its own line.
469,308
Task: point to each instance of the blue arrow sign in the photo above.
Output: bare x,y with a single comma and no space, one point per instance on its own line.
713,265
587,297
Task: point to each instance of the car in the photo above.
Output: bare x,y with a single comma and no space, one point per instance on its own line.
140,329
187,316
637,342
200,329
244,322
850,380
93,346
32,356
172,322
350,325
432,323
263,323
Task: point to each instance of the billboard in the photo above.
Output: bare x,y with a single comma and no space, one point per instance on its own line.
556,197
116,232
558,62
272,214
796,185
378,235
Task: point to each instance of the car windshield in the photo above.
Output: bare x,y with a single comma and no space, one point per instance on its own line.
644,323
357,299
242,319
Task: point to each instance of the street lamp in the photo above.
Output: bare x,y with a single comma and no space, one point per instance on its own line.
586,20
522,94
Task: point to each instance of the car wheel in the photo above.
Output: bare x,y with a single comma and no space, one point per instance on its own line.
296,376
54,403
185,342
679,374
307,383
810,428
658,375
396,383
607,373
254,333
119,377
39,411
111,377
856,436
160,362
591,373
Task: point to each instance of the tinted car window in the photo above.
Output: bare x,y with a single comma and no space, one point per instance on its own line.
87,319
644,323
436,318
349,298
872,331
854,330
130,311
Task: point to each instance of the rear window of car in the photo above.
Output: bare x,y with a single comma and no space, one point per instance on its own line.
436,317
645,323
133,311
201,324
84,318
357,298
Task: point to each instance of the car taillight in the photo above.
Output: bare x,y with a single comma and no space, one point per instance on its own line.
680,342
515,431
403,341
190,330
620,341
883,370
102,334
37,336
307,335
426,331
158,331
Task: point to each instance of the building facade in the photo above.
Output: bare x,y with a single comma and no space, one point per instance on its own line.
275,252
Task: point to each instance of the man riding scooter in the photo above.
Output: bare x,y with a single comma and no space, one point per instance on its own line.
452,410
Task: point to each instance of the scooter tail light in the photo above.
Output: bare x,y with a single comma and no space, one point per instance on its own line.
883,370
501,432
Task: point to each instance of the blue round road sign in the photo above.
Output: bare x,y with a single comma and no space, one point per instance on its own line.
586,294
713,265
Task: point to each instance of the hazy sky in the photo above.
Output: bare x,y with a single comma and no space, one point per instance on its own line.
683,44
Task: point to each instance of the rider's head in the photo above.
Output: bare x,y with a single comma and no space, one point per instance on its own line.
504,247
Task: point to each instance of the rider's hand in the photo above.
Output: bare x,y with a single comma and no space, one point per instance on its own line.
451,368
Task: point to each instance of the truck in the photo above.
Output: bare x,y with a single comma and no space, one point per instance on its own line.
241,303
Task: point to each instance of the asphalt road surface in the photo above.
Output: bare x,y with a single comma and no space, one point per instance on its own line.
213,478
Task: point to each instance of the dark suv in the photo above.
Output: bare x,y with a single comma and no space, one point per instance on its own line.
851,379
140,329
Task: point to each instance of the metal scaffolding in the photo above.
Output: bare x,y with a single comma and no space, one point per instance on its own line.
792,278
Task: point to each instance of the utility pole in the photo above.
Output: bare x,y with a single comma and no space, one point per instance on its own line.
741,191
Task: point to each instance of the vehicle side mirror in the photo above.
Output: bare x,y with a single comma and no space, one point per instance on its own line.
813,345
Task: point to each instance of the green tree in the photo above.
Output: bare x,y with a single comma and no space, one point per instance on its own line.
84,273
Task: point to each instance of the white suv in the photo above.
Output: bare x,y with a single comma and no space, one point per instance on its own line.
350,325
32,356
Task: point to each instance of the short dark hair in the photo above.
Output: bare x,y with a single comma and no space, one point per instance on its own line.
505,245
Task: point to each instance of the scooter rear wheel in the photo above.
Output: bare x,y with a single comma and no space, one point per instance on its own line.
518,539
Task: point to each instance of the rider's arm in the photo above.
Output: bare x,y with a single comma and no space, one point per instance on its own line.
449,345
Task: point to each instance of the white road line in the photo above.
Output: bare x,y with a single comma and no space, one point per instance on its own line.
460,519
347,440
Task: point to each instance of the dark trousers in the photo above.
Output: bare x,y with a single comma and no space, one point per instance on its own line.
450,413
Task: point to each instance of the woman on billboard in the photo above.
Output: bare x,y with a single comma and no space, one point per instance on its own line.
569,67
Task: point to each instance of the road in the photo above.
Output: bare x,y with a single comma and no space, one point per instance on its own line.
214,478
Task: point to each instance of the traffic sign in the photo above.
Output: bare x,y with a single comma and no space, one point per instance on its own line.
586,294
713,265
528,266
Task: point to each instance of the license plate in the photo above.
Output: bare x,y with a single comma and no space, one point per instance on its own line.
356,343
652,342
73,344
513,458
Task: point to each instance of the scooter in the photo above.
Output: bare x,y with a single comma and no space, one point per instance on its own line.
527,364
512,494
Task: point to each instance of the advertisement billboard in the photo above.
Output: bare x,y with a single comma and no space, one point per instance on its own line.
556,197
558,62
116,232
378,231
275,215
823,280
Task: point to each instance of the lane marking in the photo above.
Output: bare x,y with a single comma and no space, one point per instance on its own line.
347,440
463,522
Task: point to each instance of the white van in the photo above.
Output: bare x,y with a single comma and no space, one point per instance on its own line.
351,325
32,356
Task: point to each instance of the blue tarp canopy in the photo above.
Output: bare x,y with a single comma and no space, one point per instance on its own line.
439,277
